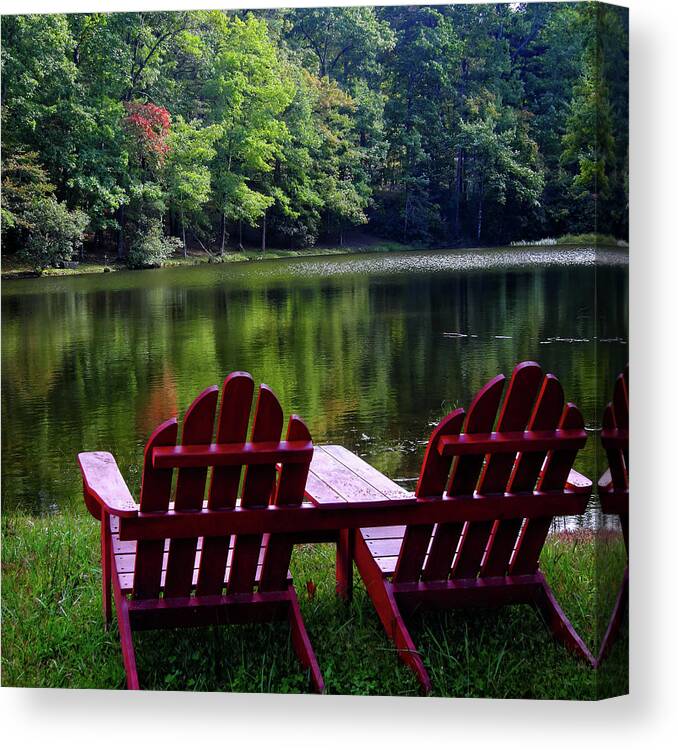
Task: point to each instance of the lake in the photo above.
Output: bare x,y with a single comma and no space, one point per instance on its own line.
370,349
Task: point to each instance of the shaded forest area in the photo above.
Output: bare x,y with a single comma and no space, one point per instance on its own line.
141,133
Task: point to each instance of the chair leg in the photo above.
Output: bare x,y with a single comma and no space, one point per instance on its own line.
620,607
106,561
560,626
302,643
381,593
126,639
344,564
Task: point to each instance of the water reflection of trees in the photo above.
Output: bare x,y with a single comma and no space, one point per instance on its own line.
362,358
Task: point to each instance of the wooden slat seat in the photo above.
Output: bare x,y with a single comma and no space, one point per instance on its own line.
177,577
125,560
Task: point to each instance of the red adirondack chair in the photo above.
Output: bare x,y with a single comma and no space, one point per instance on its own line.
170,562
527,461
613,490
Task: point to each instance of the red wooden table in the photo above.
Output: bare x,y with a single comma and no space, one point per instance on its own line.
340,479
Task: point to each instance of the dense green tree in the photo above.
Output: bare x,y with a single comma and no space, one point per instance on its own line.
501,161
54,233
595,143
247,92
24,180
421,115
187,170
341,43
431,124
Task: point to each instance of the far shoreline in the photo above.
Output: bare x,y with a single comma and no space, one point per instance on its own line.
99,263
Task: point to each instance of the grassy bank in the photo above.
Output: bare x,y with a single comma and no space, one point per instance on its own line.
586,239
13,269
52,633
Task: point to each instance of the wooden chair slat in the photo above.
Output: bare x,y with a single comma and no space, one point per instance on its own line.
546,416
383,532
197,428
515,413
289,492
615,455
445,536
553,477
156,485
559,462
614,436
234,415
258,486
126,579
525,442
481,418
522,391
432,479
125,563
217,454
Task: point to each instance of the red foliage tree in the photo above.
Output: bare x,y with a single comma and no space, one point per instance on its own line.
148,126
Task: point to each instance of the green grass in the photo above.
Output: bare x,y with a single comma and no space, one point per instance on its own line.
586,239
53,636
591,238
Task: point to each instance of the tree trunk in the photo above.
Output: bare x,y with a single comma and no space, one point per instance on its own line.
183,232
407,212
458,183
240,247
459,176
263,233
341,238
121,231
480,217
223,233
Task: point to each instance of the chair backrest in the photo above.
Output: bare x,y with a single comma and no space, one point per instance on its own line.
181,566
527,446
615,433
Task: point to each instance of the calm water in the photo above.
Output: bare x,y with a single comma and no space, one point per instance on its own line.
371,350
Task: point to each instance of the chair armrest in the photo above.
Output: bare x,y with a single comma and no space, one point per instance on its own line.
612,500
605,482
104,487
577,482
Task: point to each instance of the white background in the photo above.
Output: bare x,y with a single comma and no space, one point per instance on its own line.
646,718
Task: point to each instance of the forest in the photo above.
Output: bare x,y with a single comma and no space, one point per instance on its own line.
143,134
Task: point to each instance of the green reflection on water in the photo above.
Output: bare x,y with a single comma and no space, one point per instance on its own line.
365,348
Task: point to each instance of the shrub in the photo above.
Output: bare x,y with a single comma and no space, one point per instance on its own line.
54,233
148,246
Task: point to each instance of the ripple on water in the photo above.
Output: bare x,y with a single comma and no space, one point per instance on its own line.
458,260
